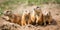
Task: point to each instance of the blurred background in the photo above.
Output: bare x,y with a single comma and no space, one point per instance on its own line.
13,4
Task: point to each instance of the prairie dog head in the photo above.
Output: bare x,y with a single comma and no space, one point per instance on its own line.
26,12
7,12
6,15
38,11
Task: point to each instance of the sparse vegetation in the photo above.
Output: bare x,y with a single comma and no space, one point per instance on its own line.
8,4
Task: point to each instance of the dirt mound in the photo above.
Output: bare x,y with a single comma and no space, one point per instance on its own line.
5,25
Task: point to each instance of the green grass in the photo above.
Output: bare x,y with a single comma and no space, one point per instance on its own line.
8,3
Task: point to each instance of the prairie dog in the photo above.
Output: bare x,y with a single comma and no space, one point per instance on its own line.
47,18
39,15
25,18
14,18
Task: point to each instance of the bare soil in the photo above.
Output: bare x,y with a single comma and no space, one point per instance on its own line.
55,11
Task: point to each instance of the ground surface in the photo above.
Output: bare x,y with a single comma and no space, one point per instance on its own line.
54,9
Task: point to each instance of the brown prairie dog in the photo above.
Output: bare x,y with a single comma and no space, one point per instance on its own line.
47,18
24,18
39,15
